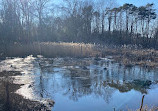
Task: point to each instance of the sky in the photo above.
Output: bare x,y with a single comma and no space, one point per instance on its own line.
138,2
135,2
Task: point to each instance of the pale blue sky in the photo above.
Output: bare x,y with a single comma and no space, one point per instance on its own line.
135,2
138,2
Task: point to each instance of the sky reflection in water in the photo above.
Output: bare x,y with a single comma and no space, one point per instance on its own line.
92,85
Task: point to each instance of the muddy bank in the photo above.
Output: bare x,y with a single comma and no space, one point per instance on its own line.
11,101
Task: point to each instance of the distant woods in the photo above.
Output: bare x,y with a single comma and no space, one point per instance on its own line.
78,21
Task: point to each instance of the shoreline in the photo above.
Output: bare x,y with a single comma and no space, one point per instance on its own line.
10,100
26,103
127,55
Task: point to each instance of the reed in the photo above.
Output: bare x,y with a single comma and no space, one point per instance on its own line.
52,49
146,108
125,55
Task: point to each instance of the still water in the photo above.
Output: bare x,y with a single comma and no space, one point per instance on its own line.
91,85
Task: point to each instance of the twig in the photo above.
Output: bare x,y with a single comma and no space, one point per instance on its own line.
142,103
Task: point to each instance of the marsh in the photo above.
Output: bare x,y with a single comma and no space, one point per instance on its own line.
84,84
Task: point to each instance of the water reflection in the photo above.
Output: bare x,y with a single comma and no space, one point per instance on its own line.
75,79
88,84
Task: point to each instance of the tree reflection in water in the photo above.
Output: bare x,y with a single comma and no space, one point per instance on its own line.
82,77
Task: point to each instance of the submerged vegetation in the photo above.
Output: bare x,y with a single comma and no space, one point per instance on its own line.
75,49
76,78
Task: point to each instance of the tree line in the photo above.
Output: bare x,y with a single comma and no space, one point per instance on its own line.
78,21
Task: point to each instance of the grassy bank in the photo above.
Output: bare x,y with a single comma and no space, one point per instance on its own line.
126,55
130,57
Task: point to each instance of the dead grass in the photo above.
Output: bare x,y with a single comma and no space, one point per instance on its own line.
129,57
146,108
52,49
126,56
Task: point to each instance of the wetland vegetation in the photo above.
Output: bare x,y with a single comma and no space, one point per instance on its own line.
78,55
